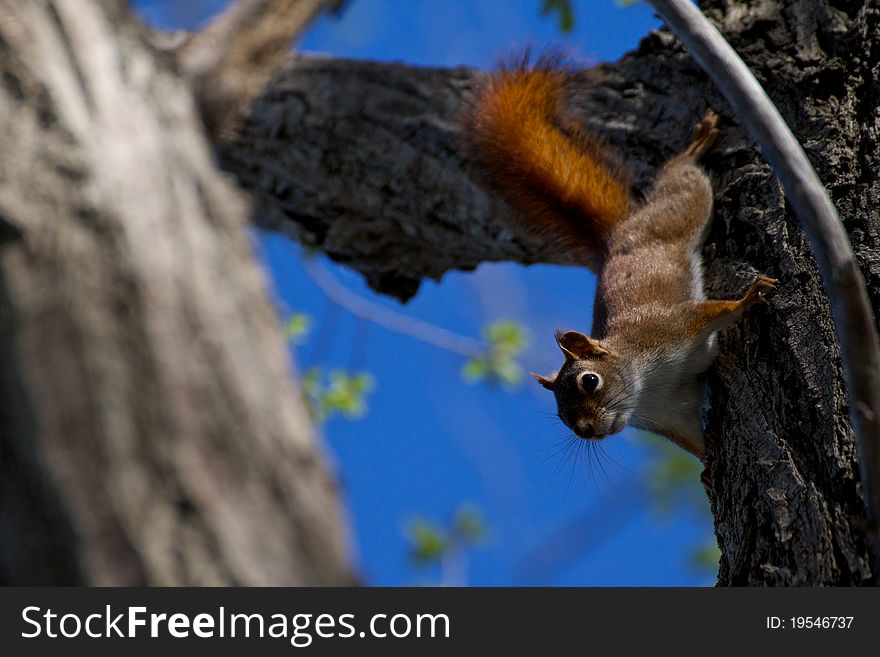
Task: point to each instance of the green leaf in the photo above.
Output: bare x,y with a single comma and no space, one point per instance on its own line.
475,369
706,557
344,393
311,387
506,336
468,524
347,394
674,478
508,372
433,544
311,380
297,327
428,543
565,11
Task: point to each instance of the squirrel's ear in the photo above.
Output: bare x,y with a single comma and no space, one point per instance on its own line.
546,381
577,346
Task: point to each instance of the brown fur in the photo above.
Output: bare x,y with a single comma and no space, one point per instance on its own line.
562,179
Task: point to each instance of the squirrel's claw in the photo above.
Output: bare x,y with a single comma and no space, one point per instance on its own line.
705,134
761,287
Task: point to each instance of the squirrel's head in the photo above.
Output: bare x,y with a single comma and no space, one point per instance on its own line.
590,388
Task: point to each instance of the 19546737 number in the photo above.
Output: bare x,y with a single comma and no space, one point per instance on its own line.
810,622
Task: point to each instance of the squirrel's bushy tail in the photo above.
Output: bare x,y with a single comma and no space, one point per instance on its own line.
560,178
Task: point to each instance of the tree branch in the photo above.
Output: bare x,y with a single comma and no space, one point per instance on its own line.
363,160
230,60
390,320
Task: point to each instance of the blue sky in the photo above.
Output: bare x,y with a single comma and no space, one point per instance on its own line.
431,442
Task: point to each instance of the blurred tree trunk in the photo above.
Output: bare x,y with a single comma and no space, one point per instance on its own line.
149,429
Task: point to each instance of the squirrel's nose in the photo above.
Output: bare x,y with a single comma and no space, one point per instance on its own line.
585,429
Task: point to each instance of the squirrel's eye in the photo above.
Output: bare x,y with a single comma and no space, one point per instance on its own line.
588,382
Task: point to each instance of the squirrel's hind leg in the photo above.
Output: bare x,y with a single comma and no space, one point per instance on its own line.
705,134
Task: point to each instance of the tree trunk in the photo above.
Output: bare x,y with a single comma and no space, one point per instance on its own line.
363,160
150,432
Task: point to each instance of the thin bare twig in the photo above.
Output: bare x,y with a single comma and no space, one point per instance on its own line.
230,61
388,319
850,306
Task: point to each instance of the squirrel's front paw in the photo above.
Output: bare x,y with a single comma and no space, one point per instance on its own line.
761,287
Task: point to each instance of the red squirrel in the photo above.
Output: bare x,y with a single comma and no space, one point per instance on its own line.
653,328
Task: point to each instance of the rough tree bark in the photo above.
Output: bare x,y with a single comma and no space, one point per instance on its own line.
362,160
139,407
150,431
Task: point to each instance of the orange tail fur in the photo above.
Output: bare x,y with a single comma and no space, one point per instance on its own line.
558,177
